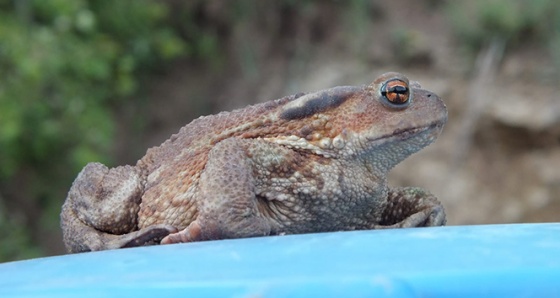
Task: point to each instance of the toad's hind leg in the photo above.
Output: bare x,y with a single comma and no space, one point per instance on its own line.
101,210
227,201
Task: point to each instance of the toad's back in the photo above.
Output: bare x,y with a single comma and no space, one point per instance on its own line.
172,169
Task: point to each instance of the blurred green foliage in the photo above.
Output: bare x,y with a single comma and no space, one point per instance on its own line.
16,242
63,65
517,23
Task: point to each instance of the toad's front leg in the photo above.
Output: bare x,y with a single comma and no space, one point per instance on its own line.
101,211
409,207
226,199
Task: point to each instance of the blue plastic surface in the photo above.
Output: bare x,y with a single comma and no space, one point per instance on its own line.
517,260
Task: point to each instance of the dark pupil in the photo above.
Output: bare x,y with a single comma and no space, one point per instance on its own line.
398,89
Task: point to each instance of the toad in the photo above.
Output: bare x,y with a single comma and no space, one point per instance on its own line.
305,163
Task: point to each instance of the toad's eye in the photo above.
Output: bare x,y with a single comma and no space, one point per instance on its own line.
396,92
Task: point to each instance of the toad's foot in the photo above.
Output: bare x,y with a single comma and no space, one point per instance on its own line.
411,207
213,230
148,236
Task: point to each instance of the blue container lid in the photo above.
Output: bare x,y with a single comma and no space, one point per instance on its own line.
514,260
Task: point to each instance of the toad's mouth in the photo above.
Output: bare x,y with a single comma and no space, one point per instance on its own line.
431,131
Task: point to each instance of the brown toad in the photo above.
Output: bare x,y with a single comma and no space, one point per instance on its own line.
304,163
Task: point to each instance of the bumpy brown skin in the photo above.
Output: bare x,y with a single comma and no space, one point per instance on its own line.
305,163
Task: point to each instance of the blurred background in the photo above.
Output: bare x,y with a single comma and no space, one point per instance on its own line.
100,80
